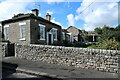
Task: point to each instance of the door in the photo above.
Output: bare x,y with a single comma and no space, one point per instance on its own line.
50,39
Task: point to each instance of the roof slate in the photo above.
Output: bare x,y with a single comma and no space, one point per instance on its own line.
26,16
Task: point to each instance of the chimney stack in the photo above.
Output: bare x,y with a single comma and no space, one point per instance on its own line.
35,12
48,17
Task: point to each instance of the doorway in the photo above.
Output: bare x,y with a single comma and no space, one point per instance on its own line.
49,38
50,41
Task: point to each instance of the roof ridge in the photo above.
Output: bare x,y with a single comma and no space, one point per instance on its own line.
29,15
73,27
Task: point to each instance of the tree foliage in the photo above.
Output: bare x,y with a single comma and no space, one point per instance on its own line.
108,33
109,38
117,28
110,44
98,30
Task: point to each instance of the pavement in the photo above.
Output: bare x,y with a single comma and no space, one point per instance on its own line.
39,68
6,73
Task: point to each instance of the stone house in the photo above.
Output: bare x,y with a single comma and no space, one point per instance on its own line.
92,36
67,36
77,33
31,29
0,32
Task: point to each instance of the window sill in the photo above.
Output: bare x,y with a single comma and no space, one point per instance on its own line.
23,39
42,39
55,39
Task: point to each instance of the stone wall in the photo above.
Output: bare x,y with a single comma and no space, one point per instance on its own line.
98,59
3,49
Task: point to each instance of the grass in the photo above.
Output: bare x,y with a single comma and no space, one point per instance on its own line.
90,47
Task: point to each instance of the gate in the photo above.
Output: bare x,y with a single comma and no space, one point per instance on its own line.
11,50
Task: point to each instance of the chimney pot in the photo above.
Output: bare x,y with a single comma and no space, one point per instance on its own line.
48,17
35,12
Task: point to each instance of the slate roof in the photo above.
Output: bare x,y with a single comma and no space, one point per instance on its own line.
91,33
27,16
64,30
73,27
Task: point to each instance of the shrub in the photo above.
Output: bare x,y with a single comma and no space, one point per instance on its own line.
65,43
109,44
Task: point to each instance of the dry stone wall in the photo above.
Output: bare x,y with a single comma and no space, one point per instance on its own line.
98,59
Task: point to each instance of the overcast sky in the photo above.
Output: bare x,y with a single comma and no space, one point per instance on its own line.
83,14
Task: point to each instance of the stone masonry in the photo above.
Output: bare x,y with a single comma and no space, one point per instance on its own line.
97,59
3,49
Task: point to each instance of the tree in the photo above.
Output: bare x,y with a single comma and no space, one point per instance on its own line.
117,35
117,28
109,38
110,44
108,33
106,29
98,30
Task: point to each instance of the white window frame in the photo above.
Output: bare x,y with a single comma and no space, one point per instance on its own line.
1,27
70,36
5,34
55,30
1,24
22,24
48,37
63,35
42,27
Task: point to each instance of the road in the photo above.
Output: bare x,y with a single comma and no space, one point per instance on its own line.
46,70
6,73
11,74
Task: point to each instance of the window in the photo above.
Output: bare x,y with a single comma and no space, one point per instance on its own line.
54,32
68,37
0,24
22,31
63,36
42,32
6,29
0,28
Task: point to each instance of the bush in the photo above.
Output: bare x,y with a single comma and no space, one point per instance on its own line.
75,44
109,44
92,47
65,43
108,33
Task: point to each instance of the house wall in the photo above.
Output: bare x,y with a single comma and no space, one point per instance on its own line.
14,32
31,32
0,31
75,38
97,59
0,35
35,31
91,38
75,32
